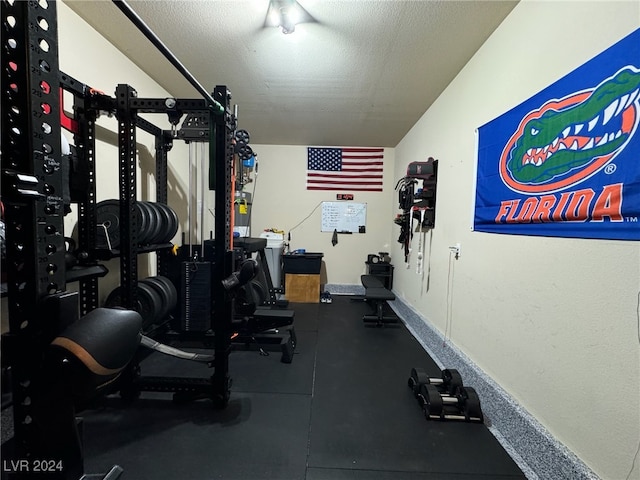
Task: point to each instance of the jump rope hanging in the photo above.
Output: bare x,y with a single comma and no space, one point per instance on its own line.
416,203
405,188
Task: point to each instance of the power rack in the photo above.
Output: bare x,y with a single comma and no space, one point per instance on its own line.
40,307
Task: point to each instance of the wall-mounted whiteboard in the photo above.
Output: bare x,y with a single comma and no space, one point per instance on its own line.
344,217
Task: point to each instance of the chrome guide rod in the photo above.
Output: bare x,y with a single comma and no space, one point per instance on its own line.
202,196
190,199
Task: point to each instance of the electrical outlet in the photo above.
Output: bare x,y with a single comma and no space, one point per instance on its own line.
458,250
455,249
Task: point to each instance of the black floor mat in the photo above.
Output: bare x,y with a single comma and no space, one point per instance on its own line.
340,411
365,416
346,474
256,436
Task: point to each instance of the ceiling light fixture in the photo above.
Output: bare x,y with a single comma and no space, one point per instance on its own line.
286,14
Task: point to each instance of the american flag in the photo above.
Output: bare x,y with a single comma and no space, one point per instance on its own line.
345,169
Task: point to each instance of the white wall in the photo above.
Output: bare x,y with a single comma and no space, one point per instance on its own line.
552,320
282,202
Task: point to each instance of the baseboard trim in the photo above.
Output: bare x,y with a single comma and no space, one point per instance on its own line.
538,454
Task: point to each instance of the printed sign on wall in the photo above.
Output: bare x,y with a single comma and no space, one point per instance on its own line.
566,162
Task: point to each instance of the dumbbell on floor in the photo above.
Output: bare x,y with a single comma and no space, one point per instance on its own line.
449,382
465,403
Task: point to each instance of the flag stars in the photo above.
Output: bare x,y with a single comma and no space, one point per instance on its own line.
325,159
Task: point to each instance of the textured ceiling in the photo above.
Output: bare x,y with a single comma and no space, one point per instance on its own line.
362,75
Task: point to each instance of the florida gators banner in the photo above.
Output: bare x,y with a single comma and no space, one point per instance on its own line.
566,162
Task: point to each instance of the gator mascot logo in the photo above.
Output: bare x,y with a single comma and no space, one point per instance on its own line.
568,140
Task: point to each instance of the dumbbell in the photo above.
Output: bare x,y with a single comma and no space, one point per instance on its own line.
448,383
465,401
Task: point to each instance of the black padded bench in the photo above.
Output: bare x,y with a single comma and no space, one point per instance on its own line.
267,329
378,295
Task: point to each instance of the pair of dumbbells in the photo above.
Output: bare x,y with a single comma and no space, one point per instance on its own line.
448,383
445,398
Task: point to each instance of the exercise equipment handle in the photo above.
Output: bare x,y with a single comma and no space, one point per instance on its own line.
147,32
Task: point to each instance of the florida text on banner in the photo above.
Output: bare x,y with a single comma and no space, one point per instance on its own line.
345,169
566,162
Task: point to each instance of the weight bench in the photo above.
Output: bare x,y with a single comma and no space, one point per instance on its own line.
376,293
266,329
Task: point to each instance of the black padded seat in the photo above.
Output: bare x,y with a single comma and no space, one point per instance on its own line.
379,294
268,318
251,245
95,349
371,281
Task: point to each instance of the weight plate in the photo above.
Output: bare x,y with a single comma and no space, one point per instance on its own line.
471,404
245,152
243,305
165,232
175,222
147,235
143,222
432,401
155,225
418,377
145,219
242,136
257,294
163,291
173,293
151,304
114,299
108,224
452,380
164,219
145,304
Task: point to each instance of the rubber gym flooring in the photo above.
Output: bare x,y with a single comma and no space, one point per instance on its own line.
340,411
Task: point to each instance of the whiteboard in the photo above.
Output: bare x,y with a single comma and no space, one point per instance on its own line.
344,217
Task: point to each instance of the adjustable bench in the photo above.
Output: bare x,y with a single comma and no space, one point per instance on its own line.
378,295
263,327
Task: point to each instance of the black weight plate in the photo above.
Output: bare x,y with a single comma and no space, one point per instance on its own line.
114,299
452,380
163,218
155,226
418,377
258,293
173,296
471,404
174,224
145,304
242,136
143,222
108,214
242,304
151,304
145,235
165,232
432,401
162,290
245,152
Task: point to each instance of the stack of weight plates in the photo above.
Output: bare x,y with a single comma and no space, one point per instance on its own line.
157,297
157,224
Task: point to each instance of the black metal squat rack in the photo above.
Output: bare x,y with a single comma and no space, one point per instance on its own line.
39,304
